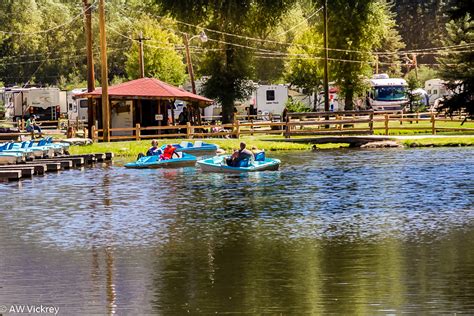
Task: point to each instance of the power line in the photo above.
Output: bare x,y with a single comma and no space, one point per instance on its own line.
305,20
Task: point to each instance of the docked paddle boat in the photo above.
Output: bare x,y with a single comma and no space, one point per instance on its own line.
199,148
152,162
218,164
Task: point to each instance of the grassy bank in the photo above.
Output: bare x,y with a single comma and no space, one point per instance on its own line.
439,142
133,148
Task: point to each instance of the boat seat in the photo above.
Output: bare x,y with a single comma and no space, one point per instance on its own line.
260,156
180,154
198,143
244,163
184,144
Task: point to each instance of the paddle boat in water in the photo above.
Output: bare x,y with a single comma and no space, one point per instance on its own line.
151,162
261,163
199,148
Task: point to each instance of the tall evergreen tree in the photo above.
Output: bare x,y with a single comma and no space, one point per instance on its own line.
458,65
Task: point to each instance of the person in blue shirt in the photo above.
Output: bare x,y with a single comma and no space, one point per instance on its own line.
153,151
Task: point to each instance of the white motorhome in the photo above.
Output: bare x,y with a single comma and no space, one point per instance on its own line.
271,98
387,94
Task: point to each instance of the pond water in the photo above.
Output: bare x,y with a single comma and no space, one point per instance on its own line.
333,232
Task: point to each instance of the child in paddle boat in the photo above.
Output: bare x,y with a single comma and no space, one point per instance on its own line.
239,155
153,151
169,152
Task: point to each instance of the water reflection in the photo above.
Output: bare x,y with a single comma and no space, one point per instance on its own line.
343,232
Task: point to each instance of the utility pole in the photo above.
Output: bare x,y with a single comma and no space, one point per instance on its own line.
415,64
326,77
376,64
141,58
190,64
104,73
90,65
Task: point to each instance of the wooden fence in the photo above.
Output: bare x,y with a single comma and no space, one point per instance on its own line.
308,123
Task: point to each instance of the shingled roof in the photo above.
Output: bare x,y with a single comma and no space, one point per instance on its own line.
147,88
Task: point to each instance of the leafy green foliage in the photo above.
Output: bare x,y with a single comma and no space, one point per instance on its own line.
161,60
296,106
228,66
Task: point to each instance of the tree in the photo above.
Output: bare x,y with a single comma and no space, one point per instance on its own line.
307,71
161,60
229,64
458,65
355,30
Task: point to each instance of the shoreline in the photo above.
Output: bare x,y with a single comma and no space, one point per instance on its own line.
133,148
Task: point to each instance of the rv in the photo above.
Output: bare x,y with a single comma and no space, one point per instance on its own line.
43,102
436,89
387,94
271,99
76,108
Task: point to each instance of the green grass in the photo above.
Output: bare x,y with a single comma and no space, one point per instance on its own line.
439,142
133,148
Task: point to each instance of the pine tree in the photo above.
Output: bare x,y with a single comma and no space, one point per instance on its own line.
458,65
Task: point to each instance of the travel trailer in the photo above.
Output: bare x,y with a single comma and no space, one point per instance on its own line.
271,98
436,89
23,102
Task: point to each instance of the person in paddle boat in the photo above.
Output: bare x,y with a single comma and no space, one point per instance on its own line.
239,155
169,152
153,151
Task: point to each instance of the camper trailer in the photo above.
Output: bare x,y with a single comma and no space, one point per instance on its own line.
271,98
436,89
42,102
76,108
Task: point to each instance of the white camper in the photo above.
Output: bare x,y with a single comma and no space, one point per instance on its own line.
271,98
76,108
43,102
436,89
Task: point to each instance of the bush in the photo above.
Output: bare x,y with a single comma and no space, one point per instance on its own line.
296,106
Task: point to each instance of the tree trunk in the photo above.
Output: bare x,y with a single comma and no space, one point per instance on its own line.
227,111
348,104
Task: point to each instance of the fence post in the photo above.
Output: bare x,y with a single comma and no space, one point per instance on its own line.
386,124
188,130
59,123
417,116
137,132
287,126
433,121
401,118
371,123
84,132
93,133
237,129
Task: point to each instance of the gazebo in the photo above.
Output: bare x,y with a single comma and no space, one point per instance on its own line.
144,101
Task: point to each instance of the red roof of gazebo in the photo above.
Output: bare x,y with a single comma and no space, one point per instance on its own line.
147,88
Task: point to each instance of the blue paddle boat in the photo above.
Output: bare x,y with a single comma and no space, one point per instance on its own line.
199,148
261,163
152,162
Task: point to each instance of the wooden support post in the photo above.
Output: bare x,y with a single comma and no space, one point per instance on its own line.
93,133
386,124
371,123
433,123
137,132
401,118
84,131
417,116
188,130
237,129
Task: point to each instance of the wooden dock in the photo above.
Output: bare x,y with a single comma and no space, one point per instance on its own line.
28,169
